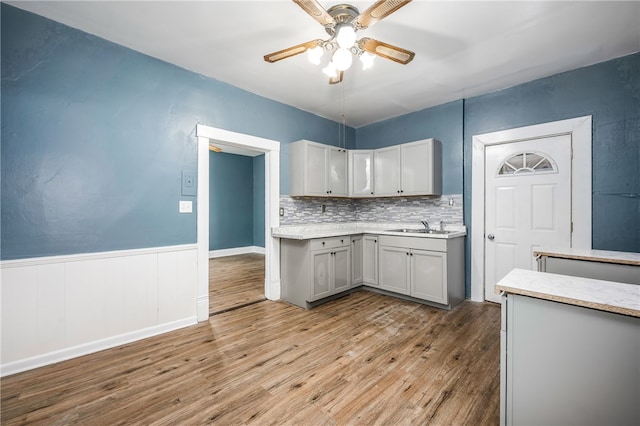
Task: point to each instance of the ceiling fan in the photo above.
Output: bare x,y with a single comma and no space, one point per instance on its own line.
341,23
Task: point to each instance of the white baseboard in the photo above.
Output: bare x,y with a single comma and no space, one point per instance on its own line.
236,251
91,347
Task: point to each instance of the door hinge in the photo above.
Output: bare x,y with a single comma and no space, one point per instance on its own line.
572,227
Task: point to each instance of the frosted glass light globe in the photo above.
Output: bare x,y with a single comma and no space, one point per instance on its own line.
367,60
345,36
342,59
330,70
315,54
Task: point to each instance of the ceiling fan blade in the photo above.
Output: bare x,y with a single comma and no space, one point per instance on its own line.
337,79
316,11
291,51
378,11
387,51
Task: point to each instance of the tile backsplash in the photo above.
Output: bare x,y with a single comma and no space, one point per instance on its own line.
302,210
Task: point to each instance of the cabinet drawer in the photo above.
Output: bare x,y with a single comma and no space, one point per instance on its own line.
420,243
328,243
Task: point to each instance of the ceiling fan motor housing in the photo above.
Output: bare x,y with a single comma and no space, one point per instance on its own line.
342,14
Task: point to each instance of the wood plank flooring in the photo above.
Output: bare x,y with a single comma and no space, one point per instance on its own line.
235,281
363,359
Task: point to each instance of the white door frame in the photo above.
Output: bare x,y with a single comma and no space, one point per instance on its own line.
580,131
271,149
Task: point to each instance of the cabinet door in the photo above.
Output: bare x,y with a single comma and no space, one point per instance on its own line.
370,260
315,169
394,269
429,275
356,260
341,269
337,171
416,165
387,171
361,173
322,274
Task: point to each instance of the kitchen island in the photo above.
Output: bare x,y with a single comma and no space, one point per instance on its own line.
570,350
599,264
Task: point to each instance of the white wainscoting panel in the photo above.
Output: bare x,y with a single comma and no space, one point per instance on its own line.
56,308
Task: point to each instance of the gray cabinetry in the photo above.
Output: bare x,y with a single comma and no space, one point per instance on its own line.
409,169
314,269
608,271
423,268
568,365
317,170
357,254
370,260
394,269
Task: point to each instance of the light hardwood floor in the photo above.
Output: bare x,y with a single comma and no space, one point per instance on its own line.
359,360
235,281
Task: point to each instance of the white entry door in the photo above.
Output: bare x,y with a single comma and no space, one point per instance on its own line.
527,202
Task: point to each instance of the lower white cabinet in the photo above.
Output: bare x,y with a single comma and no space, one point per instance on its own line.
356,260
394,269
370,260
423,268
314,269
428,272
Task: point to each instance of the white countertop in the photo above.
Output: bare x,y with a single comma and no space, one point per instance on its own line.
591,255
324,230
597,294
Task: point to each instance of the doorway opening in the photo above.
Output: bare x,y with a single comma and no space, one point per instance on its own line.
579,130
238,143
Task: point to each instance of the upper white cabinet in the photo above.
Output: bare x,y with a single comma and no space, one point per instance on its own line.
317,170
361,173
387,171
413,168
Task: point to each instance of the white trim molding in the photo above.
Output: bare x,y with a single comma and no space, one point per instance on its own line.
223,138
235,251
60,307
581,193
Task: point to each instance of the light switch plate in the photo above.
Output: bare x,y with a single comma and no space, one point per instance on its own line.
185,206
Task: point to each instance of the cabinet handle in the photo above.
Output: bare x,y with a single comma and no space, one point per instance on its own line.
341,241
410,254
371,192
323,243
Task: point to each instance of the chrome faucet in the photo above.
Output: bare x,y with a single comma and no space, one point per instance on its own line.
426,224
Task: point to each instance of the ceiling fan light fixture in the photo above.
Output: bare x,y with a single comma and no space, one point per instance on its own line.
315,54
367,60
345,36
342,59
330,70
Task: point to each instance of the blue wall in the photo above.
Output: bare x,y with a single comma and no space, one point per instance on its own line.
443,122
95,137
236,201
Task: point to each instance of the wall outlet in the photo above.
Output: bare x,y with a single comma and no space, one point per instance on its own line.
281,211
324,208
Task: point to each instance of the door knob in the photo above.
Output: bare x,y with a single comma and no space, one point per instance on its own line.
491,237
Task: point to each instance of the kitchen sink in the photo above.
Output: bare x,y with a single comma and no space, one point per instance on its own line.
419,231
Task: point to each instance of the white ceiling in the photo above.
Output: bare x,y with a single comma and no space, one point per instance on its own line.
463,48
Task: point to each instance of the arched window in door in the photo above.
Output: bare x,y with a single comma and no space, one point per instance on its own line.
527,163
